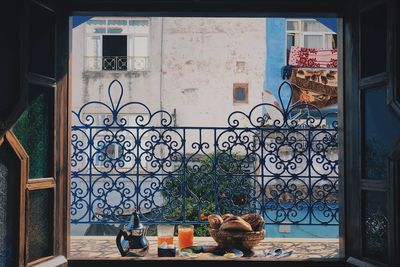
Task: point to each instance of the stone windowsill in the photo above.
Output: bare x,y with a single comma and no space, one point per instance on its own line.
103,247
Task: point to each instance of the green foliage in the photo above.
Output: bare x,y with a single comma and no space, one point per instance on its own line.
220,187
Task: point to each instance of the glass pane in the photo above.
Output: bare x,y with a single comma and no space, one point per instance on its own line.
313,41
373,41
375,224
140,26
93,46
331,41
240,94
292,25
41,41
381,133
100,30
9,195
315,26
289,43
40,224
117,22
140,47
114,30
34,131
114,45
96,22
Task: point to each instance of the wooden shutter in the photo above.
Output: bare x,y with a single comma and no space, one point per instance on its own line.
372,135
39,134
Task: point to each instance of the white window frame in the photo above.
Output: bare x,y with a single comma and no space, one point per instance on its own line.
301,33
130,36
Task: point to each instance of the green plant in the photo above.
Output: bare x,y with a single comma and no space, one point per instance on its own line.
210,185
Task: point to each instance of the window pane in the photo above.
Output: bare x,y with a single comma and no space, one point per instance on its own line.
40,224
93,46
240,94
313,41
114,30
140,26
315,26
96,22
9,195
293,26
381,133
140,47
331,41
114,46
115,22
34,131
375,224
41,41
373,41
100,30
289,43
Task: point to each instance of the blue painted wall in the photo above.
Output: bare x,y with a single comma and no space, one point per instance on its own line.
275,53
275,60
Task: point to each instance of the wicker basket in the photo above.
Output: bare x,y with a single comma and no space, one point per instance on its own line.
236,240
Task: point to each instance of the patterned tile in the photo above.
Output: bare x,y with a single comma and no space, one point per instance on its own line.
104,247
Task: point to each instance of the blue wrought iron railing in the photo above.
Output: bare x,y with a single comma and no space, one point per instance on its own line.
282,164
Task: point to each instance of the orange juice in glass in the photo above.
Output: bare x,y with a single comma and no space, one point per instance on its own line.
185,235
165,240
165,234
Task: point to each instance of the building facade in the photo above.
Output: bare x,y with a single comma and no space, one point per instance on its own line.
198,70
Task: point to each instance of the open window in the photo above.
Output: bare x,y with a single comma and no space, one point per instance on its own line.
115,52
370,231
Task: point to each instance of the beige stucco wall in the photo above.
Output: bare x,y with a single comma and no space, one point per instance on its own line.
138,86
201,59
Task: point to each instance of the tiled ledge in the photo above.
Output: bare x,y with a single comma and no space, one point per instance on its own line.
84,247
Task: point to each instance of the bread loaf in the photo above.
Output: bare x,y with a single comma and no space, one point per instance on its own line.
232,217
255,220
226,216
215,221
237,224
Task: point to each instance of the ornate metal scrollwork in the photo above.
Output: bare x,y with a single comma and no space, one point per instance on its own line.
284,166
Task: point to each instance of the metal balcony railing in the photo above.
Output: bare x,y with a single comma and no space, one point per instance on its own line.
286,170
116,63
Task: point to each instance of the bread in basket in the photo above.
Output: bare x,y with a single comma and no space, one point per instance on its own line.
234,232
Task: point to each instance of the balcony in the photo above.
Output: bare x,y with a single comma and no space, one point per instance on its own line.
117,63
286,170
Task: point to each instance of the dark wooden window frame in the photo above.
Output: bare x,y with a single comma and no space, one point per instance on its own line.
250,8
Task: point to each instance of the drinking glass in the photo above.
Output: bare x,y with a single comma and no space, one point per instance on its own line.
185,235
165,240
165,234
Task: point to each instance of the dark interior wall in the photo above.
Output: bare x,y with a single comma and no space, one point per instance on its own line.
9,163
245,8
10,59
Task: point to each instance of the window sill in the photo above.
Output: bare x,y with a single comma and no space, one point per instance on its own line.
117,71
304,249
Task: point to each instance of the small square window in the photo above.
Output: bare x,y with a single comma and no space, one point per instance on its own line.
240,92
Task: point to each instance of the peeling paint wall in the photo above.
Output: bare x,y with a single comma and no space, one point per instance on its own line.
141,86
203,58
